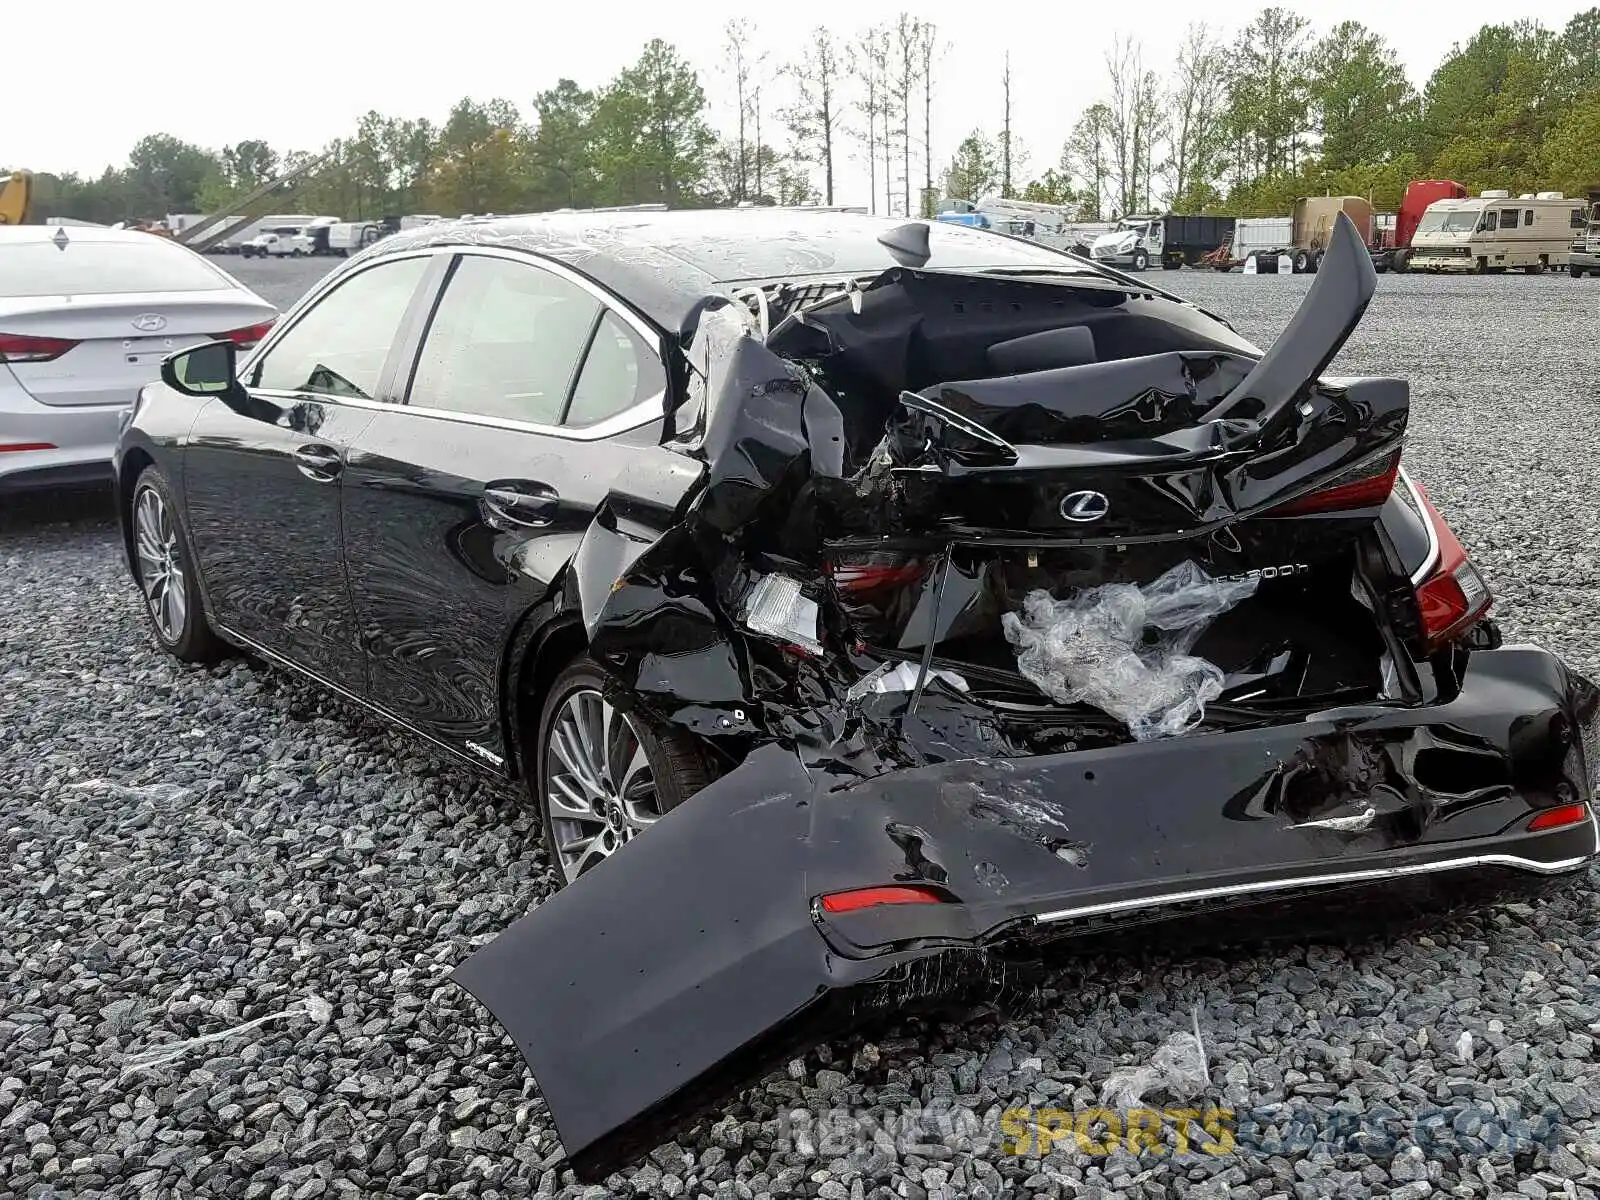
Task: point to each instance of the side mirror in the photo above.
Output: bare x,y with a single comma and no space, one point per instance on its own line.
205,371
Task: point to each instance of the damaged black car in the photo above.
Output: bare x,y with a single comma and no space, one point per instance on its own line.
925,596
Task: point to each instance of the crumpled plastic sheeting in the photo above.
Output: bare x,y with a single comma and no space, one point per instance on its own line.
153,1058
1178,1069
158,793
1092,647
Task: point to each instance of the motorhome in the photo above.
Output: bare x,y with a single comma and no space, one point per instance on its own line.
1495,232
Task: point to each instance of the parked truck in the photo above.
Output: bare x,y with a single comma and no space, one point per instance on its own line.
1394,254
1584,256
1172,239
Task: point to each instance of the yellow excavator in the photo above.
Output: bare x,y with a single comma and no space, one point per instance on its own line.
16,198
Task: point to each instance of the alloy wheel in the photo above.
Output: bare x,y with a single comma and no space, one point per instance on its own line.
166,587
598,783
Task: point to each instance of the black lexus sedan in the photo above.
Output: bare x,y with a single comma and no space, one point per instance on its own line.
926,594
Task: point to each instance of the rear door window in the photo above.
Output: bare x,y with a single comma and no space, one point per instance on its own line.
620,372
504,342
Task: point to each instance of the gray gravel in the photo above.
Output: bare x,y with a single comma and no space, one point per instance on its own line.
229,852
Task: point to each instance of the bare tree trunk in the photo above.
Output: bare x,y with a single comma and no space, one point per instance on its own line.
755,101
737,33
929,37
1005,132
869,63
908,36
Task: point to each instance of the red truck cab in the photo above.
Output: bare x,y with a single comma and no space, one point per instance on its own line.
1419,194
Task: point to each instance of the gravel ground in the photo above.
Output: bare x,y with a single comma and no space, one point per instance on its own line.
230,855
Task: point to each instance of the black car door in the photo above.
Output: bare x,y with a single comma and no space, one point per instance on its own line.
262,488
531,389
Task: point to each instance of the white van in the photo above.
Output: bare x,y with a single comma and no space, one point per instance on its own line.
1495,232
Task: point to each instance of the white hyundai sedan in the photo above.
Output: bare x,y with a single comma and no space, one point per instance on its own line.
86,316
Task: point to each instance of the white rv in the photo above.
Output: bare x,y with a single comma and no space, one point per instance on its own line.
1495,232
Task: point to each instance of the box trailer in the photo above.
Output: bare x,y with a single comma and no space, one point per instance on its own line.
1309,230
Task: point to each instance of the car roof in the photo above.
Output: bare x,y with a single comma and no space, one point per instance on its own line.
666,263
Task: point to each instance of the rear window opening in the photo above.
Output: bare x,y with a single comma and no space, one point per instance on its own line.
926,332
91,267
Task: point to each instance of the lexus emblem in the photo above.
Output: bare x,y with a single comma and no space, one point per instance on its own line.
149,322
1084,506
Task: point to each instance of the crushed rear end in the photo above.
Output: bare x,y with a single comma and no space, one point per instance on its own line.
1126,628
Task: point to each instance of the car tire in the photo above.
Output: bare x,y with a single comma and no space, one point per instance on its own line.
165,572
1141,260
648,770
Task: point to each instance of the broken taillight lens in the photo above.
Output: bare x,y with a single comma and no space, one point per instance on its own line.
861,578
29,348
1367,484
872,897
1453,595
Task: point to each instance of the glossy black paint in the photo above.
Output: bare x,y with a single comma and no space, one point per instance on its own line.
419,560
440,573
619,1014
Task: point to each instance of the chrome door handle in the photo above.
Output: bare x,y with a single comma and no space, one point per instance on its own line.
530,505
320,463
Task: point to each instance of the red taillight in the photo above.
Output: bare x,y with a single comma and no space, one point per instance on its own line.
1367,491
245,338
859,578
1559,817
851,901
8,447
26,348
1454,594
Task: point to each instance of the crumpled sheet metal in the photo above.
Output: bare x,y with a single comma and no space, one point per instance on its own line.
1093,647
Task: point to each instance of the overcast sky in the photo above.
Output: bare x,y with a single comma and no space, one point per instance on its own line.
83,91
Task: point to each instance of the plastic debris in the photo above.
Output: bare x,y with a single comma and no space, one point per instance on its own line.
1124,648
901,677
152,1058
1464,1046
160,792
1178,1068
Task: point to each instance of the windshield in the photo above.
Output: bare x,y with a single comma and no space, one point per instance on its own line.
1458,220
93,268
